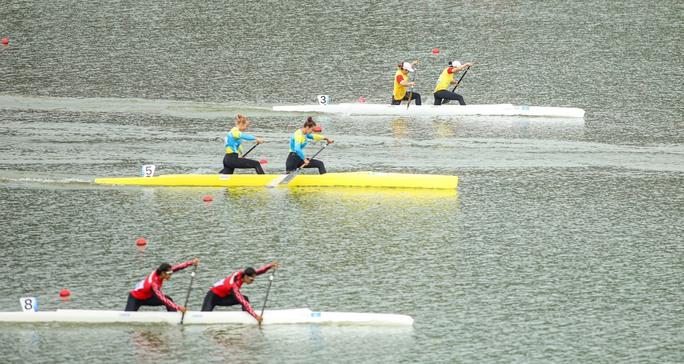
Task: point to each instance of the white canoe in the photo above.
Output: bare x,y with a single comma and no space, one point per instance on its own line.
271,317
432,110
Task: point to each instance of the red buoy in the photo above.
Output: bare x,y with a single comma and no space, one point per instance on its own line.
64,293
318,129
141,242
5,41
435,51
207,198
263,161
362,99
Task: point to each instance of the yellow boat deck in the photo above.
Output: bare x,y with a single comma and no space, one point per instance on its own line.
348,179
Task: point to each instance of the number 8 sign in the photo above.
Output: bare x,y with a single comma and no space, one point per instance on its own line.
29,304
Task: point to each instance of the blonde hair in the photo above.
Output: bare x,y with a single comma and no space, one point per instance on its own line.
241,119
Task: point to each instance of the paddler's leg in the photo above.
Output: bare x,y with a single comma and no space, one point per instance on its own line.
210,301
155,301
438,100
414,96
132,304
249,163
293,162
448,95
233,161
315,163
227,168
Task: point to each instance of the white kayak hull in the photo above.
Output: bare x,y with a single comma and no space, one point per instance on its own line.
432,110
271,317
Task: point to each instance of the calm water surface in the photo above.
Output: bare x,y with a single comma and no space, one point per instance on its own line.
563,243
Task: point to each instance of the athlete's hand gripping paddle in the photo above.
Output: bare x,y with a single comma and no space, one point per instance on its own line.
415,72
294,173
459,80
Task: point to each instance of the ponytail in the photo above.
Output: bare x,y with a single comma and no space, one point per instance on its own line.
310,123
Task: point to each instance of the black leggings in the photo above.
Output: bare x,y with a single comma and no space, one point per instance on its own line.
415,96
442,95
134,304
293,162
232,161
211,300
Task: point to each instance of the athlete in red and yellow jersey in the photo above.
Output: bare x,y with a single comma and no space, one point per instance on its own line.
401,81
226,292
148,291
446,80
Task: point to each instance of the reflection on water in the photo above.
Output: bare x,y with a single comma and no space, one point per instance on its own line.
153,344
400,128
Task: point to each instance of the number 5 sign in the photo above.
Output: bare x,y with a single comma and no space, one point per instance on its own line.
147,170
29,304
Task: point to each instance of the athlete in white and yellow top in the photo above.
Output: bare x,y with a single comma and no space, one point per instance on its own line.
234,140
401,81
446,80
298,140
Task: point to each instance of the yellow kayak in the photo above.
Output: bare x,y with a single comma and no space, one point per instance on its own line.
347,179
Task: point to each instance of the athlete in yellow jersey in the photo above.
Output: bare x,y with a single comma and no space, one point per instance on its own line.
401,81
298,140
446,80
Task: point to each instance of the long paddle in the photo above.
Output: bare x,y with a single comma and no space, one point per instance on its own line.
268,290
459,80
187,297
250,149
261,161
294,173
415,72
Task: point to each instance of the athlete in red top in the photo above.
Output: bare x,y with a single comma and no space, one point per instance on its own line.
226,292
148,291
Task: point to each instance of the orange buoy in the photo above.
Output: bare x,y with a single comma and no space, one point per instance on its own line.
207,198
141,242
318,129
